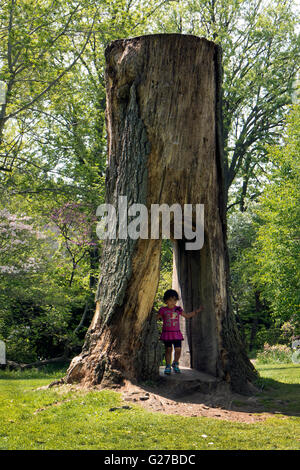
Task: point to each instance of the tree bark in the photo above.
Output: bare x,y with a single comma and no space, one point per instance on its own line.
164,131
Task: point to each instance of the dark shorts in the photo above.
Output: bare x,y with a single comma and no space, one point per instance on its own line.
176,342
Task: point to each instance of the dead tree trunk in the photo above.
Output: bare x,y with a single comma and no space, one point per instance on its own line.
164,129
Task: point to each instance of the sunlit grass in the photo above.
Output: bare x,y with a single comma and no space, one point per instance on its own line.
63,419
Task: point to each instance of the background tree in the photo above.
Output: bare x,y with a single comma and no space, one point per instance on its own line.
264,250
260,59
251,312
276,249
36,52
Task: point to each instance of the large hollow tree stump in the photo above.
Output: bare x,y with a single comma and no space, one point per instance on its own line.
164,130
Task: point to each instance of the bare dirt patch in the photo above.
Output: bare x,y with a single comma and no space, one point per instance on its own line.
218,405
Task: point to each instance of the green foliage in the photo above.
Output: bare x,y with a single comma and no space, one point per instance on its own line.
277,353
264,250
42,302
252,315
166,270
276,250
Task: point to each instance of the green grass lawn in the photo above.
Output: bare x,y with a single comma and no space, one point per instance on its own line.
49,419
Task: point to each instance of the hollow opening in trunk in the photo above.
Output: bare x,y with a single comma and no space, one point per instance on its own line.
189,273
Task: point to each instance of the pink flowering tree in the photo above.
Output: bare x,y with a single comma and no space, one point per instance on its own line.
75,233
45,293
22,265
17,237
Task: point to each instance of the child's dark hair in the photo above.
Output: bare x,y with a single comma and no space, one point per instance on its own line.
170,293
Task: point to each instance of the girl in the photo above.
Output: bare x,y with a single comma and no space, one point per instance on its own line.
171,333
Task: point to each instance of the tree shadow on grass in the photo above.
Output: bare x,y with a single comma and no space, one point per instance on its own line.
272,397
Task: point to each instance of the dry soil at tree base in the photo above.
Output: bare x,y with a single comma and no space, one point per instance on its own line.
196,404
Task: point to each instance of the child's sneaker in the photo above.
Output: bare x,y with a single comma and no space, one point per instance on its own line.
176,368
168,369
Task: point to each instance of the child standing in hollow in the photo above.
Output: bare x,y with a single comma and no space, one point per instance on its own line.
171,334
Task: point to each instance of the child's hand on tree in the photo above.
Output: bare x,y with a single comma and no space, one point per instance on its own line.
199,310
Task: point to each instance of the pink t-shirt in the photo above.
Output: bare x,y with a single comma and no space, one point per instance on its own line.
171,325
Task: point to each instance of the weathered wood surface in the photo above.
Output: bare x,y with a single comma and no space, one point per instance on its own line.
164,130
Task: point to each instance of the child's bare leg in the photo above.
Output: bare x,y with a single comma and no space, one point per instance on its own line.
177,354
168,355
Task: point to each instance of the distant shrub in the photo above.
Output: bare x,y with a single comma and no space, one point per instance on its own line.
276,353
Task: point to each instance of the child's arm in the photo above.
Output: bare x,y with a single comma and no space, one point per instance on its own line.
191,314
159,316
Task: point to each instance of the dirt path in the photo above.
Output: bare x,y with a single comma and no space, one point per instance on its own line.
196,404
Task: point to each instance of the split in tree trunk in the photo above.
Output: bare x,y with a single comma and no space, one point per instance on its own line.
164,129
